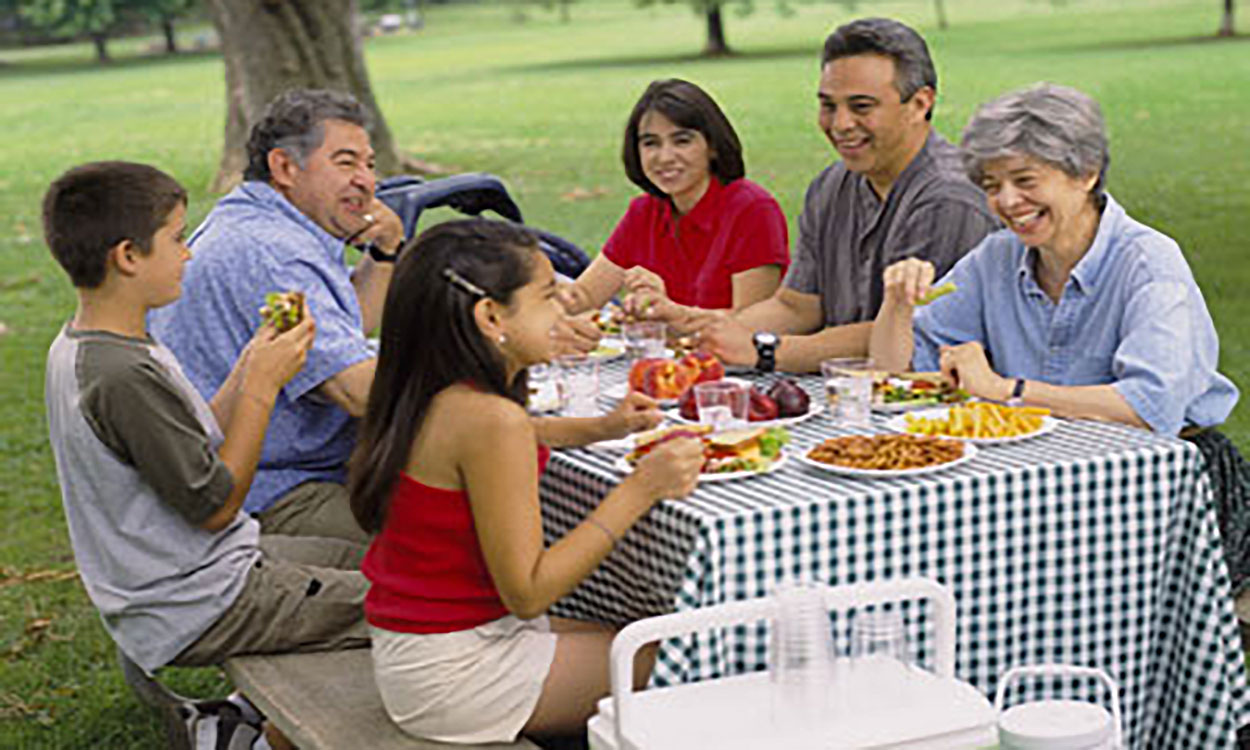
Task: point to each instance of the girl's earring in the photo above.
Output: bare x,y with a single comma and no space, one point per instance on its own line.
503,339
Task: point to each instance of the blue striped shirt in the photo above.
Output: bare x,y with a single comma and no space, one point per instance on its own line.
1131,315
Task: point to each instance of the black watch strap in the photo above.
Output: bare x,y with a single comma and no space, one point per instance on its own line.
377,253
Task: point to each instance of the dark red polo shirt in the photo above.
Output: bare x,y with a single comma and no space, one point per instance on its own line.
733,228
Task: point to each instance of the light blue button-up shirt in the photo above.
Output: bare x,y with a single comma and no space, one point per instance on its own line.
254,242
1131,315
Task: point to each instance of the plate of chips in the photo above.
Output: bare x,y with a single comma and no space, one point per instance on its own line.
981,422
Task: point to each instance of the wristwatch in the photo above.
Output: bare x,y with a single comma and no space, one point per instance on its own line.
377,253
1017,393
766,350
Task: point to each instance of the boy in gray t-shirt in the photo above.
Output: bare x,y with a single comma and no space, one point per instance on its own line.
152,486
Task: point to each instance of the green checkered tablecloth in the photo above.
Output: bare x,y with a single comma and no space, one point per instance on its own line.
1094,545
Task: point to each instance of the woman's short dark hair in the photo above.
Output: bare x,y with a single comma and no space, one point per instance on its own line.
687,106
913,67
92,207
294,122
430,340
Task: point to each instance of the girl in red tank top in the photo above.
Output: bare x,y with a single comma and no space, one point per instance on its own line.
445,473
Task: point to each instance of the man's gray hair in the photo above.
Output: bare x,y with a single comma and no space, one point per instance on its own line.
1054,124
913,67
294,122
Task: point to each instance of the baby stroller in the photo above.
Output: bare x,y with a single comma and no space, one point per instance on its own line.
472,193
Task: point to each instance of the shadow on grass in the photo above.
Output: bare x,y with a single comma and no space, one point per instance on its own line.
643,61
1139,45
73,64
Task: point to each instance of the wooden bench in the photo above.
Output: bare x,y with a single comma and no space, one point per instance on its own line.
328,701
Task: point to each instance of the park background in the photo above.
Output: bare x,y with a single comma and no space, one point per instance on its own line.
518,91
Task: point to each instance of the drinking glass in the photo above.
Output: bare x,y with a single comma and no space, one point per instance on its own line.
544,387
579,385
848,388
643,339
720,404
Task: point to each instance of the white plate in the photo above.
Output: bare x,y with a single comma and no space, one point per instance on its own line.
606,352
623,466
970,451
899,408
812,410
899,424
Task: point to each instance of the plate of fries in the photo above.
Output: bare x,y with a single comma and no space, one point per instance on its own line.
887,455
981,422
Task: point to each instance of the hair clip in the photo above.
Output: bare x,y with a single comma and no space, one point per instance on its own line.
463,283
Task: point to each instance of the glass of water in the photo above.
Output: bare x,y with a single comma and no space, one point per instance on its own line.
848,388
644,339
720,404
579,385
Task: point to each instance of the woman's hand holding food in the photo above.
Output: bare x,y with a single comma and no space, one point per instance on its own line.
967,366
908,282
635,413
575,334
671,470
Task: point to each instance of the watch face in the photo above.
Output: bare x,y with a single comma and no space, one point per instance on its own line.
765,338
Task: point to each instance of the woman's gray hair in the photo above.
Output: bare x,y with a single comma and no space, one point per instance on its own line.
1054,124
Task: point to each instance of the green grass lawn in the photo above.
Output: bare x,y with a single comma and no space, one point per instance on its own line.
543,104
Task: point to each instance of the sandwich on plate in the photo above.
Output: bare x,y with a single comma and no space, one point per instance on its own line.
748,449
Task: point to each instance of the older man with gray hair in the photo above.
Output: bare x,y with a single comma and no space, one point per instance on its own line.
308,191
898,192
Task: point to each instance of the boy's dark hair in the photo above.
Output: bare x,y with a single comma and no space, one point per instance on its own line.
430,340
92,207
687,106
913,67
293,122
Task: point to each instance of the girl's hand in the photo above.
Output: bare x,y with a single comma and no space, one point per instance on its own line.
967,366
671,470
907,281
635,413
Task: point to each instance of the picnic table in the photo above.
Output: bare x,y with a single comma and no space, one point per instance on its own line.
1093,545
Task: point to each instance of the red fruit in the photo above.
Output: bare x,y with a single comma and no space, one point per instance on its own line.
792,400
688,407
761,408
660,378
705,364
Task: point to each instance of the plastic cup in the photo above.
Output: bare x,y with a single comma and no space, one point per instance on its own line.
579,385
848,388
720,404
801,663
879,633
644,339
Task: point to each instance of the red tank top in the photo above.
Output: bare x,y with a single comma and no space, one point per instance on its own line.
426,564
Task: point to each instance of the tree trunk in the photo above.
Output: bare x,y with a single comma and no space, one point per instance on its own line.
171,42
270,46
940,6
101,40
1226,25
716,44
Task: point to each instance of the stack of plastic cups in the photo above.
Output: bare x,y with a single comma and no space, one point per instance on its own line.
801,660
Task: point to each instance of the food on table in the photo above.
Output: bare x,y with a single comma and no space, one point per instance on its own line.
750,449
792,400
687,406
761,408
610,319
670,378
936,293
981,420
887,452
283,309
917,392
606,351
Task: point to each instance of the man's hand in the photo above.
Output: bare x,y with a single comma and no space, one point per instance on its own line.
729,340
382,227
967,366
575,334
635,413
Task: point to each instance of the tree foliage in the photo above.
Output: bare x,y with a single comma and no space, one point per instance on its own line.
69,19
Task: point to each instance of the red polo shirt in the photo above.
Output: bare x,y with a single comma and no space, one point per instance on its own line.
733,228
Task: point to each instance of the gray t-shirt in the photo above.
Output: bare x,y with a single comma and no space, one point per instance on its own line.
848,236
135,449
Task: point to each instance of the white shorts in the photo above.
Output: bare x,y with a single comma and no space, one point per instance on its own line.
471,686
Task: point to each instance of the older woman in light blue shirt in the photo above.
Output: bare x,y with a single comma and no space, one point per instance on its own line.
1075,306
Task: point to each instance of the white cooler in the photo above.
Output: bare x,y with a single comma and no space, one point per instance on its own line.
873,703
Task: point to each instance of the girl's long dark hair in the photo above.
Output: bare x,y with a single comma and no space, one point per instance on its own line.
430,340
